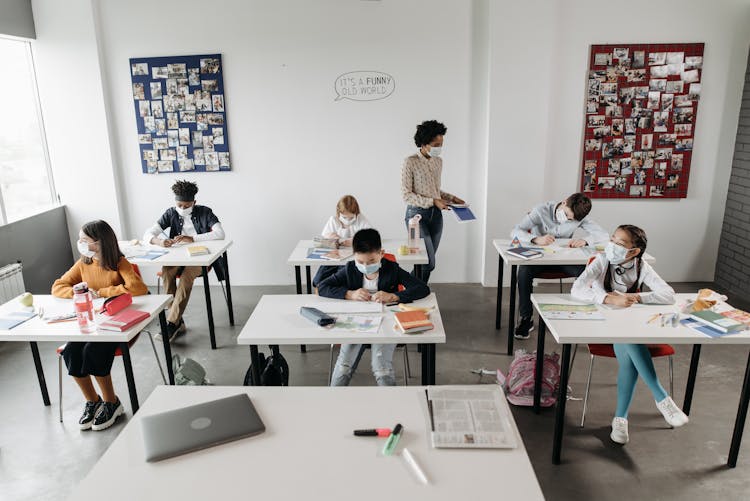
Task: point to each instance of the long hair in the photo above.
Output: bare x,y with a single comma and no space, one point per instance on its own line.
639,240
349,204
109,249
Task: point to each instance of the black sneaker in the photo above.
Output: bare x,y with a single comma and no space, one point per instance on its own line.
107,414
175,330
89,411
524,327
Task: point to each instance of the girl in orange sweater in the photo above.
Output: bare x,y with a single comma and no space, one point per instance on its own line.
106,271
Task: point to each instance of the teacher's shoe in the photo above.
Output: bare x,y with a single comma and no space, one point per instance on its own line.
89,411
107,414
524,327
673,415
619,433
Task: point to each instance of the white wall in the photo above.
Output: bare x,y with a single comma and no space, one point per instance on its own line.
294,150
555,57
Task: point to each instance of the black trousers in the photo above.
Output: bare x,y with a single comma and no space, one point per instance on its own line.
89,359
526,275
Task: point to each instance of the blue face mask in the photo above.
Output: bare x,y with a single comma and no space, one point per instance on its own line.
367,269
616,254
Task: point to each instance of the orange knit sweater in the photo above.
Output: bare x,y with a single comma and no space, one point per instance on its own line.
105,282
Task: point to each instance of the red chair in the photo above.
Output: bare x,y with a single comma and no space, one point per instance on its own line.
118,353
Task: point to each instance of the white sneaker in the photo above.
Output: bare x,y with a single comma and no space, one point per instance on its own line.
673,415
619,433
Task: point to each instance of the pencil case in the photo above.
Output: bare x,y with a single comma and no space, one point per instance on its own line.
317,316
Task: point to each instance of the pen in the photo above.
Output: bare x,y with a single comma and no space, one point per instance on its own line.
429,408
392,442
373,432
412,463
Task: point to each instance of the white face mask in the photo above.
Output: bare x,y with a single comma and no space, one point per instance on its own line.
435,151
367,269
616,254
561,216
346,220
184,212
83,249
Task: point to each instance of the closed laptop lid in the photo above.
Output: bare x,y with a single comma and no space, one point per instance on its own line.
180,431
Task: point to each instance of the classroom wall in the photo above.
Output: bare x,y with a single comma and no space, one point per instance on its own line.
16,19
537,112
733,264
29,241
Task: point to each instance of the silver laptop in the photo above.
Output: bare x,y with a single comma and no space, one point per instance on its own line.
200,426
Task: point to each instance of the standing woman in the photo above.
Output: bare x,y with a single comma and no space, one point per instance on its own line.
420,188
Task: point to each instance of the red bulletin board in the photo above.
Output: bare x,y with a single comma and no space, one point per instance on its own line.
641,110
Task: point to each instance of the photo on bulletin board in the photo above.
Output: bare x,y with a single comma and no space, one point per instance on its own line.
640,119
180,110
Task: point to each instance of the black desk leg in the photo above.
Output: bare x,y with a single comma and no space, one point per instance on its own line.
739,423
39,372
512,307
129,376
691,378
539,368
418,271
229,290
255,364
428,364
298,279
498,307
562,398
308,279
167,346
209,309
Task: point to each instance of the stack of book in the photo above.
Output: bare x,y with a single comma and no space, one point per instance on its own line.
198,250
411,322
525,252
726,322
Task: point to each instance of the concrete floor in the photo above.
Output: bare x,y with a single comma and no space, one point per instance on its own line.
41,458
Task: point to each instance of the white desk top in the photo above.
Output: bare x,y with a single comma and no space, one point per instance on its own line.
628,325
308,452
276,320
298,257
176,255
36,329
557,254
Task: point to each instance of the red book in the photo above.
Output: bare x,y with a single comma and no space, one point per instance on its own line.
123,320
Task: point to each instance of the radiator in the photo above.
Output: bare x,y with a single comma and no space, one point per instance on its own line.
11,282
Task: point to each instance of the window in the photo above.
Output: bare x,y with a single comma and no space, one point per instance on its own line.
26,185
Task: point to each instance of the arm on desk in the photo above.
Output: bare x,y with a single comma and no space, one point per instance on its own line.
335,286
589,286
63,286
660,291
594,233
528,228
413,287
133,282
216,233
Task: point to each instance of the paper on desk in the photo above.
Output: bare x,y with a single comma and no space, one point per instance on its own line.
59,308
358,323
344,306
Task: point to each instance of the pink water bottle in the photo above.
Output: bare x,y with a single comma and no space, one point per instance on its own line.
414,236
84,308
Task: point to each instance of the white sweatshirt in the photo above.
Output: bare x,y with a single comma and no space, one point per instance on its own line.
334,225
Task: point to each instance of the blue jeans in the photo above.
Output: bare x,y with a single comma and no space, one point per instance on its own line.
382,364
431,229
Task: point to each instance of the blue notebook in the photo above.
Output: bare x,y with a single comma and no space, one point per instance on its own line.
12,319
463,213
153,254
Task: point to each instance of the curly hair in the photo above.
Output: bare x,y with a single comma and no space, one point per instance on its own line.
427,131
185,191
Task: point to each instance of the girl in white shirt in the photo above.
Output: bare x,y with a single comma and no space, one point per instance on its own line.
616,279
342,226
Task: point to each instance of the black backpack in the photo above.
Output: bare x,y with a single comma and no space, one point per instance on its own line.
274,371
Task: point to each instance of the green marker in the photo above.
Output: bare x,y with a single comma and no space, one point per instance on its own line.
392,442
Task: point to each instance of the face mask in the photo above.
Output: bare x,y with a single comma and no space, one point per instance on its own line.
184,212
346,220
83,249
561,216
367,269
615,253
435,151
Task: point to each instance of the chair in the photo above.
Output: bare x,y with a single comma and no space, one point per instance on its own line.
554,275
607,350
118,353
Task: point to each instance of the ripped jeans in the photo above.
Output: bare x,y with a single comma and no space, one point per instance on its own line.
382,364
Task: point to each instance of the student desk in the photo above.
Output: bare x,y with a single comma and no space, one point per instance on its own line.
561,256
308,452
298,258
276,321
629,325
178,256
36,329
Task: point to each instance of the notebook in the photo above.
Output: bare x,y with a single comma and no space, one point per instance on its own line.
197,427
524,252
198,250
463,213
123,320
14,318
717,321
411,322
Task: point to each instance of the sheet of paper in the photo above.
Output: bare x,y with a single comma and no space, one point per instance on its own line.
359,323
344,306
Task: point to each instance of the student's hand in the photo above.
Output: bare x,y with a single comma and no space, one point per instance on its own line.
636,296
545,240
623,300
183,239
457,200
358,295
345,243
440,203
385,297
167,242
577,243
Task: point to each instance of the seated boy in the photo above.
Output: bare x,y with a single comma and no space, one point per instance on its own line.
370,277
541,226
187,222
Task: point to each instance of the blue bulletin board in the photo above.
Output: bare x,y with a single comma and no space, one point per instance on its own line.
180,111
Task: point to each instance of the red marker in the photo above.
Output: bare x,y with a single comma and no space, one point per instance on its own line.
374,432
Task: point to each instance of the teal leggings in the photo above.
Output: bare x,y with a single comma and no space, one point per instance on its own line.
634,360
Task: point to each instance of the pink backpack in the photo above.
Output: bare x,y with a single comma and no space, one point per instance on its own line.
519,384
